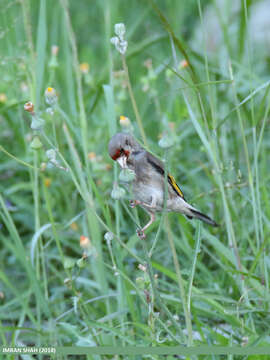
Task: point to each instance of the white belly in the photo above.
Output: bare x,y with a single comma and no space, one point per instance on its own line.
148,194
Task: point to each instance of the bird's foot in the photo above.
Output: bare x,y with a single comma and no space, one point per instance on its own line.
141,234
134,203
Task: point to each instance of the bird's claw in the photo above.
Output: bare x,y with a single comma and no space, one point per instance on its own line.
134,203
141,234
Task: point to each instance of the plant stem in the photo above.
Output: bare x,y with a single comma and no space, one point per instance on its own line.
181,285
135,108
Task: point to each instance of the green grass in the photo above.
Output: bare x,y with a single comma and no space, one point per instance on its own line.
201,285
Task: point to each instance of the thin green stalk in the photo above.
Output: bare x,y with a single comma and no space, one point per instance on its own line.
181,285
157,295
37,226
52,222
22,257
207,73
133,101
15,158
28,31
250,176
41,50
213,154
194,262
247,41
78,77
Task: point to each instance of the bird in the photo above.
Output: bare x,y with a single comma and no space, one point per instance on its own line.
148,186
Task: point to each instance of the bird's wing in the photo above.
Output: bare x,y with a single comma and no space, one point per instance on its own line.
159,167
175,187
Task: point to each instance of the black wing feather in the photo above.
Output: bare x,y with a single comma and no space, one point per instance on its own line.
158,165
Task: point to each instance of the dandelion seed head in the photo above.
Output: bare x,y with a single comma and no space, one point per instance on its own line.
108,236
120,30
118,41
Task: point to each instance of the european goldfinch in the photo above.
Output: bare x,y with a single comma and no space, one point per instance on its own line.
148,185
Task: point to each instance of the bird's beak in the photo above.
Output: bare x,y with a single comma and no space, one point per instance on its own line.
122,161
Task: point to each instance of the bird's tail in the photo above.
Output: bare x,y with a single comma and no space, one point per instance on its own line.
197,214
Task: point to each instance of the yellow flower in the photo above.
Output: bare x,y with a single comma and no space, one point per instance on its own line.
85,242
47,182
50,96
3,98
74,226
183,64
92,156
124,121
84,67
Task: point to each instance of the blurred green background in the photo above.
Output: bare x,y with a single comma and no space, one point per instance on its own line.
69,254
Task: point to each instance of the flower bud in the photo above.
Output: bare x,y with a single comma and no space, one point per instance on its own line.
108,236
118,193
84,67
37,123
85,242
51,154
81,263
36,143
69,263
166,141
43,166
29,107
118,41
126,175
125,123
50,96
140,282
120,30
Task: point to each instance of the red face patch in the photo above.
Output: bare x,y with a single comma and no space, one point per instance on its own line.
119,153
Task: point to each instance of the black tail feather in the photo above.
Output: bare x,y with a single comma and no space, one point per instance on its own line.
197,214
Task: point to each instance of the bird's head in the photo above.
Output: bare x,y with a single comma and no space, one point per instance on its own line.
121,146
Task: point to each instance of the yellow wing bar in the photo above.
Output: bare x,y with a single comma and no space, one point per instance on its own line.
175,187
